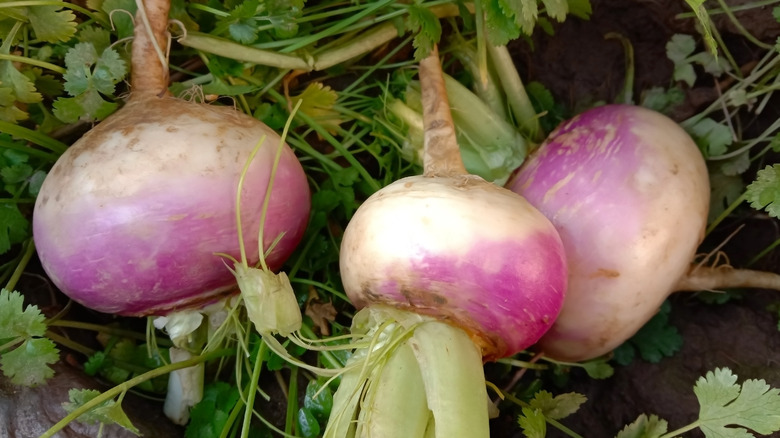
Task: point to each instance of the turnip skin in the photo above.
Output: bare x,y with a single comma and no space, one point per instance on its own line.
407,247
131,216
628,191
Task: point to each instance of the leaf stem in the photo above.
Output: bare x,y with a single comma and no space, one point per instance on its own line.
124,387
27,253
517,97
36,137
250,402
67,5
31,61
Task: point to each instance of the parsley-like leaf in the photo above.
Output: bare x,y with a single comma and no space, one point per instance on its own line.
724,404
556,9
427,27
764,192
28,363
713,138
210,415
108,412
52,23
533,423
14,227
318,102
558,407
644,427
87,77
655,340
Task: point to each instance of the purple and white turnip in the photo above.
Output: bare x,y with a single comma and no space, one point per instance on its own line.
131,216
451,267
628,191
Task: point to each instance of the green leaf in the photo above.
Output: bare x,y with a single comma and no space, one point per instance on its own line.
308,425
556,9
210,416
598,369
706,25
724,190
99,37
713,138
28,364
728,409
580,8
679,48
108,412
427,27
16,320
22,86
558,407
14,227
318,400
121,13
764,192
8,110
52,23
644,427
533,423
657,339
500,26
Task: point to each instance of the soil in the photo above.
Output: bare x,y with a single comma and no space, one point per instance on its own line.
579,65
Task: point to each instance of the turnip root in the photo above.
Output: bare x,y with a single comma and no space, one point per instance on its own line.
131,216
628,191
456,268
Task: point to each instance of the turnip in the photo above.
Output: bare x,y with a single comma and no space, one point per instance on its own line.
449,270
131,216
628,191
136,217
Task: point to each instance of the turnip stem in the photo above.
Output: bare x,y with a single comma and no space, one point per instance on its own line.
726,277
149,75
441,155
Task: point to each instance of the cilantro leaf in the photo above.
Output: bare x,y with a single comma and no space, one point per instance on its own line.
108,412
533,423
427,28
644,427
713,138
724,404
764,192
679,48
556,9
558,407
501,27
51,23
210,415
724,190
87,77
14,227
16,320
655,340
121,13
318,101
8,110
28,364
21,85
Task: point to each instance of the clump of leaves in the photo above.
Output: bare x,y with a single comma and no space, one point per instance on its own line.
25,354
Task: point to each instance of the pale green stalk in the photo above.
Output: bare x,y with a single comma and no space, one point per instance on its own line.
397,404
451,367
